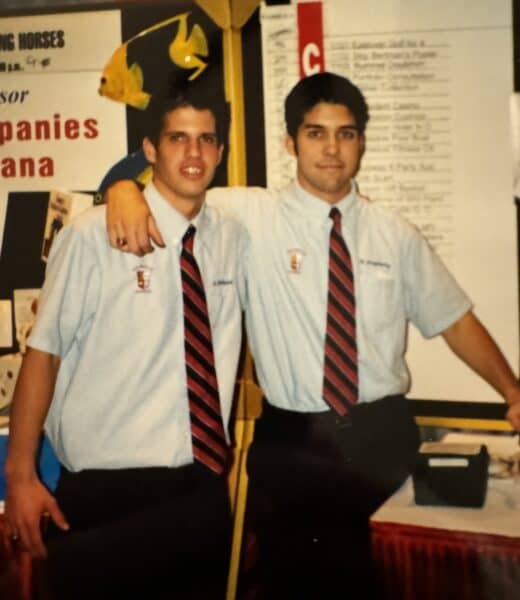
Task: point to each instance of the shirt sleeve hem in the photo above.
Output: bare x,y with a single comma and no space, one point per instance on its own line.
43,346
448,321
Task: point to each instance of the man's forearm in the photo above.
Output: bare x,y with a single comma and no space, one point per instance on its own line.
472,343
31,401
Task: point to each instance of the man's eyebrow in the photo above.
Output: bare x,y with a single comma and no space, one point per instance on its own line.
319,126
172,131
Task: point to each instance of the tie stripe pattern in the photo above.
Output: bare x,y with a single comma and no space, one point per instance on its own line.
207,431
340,378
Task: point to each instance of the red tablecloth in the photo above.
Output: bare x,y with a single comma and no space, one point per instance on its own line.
421,563
444,553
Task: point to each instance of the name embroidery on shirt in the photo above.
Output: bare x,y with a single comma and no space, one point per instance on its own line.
296,256
374,263
217,282
143,275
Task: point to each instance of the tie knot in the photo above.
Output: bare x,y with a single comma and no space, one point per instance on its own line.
335,215
187,239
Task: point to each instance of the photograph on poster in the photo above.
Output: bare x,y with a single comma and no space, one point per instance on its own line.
57,216
63,206
9,368
25,308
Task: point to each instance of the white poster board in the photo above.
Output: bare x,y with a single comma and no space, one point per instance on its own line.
56,131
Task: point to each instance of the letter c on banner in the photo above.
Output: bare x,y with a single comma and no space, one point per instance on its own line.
310,38
311,51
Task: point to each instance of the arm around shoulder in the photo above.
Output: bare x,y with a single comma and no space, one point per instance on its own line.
247,205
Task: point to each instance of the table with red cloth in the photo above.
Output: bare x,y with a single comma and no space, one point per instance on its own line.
434,552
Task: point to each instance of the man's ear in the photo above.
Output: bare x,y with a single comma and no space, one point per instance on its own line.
220,153
290,145
149,150
362,145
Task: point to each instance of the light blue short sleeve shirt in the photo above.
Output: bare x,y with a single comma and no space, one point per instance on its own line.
398,279
116,322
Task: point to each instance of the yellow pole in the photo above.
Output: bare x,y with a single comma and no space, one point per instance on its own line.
232,47
237,175
231,16
234,86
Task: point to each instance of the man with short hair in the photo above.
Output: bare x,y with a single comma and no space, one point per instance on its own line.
132,365
333,280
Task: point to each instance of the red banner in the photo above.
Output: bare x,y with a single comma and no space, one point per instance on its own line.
310,38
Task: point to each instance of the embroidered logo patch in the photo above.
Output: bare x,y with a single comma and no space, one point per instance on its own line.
143,275
296,256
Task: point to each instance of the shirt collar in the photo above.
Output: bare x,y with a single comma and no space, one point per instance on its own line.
173,224
316,208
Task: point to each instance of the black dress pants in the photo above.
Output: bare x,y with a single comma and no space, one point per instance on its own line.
151,533
315,479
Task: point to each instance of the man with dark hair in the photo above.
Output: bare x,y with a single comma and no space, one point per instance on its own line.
188,94
132,365
325,87
333,280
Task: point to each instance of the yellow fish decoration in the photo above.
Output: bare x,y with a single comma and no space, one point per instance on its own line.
185,48
124,83
145,176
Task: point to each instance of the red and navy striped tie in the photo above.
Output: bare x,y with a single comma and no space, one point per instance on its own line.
340,377
207,431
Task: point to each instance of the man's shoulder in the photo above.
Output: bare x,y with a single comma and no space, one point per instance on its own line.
243,200
89,219
383,226
224,221
239,191
378,214
89,225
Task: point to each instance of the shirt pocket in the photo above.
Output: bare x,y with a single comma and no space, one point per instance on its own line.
221,291
377,302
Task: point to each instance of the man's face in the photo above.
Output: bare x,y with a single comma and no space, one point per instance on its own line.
328,149
186,156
